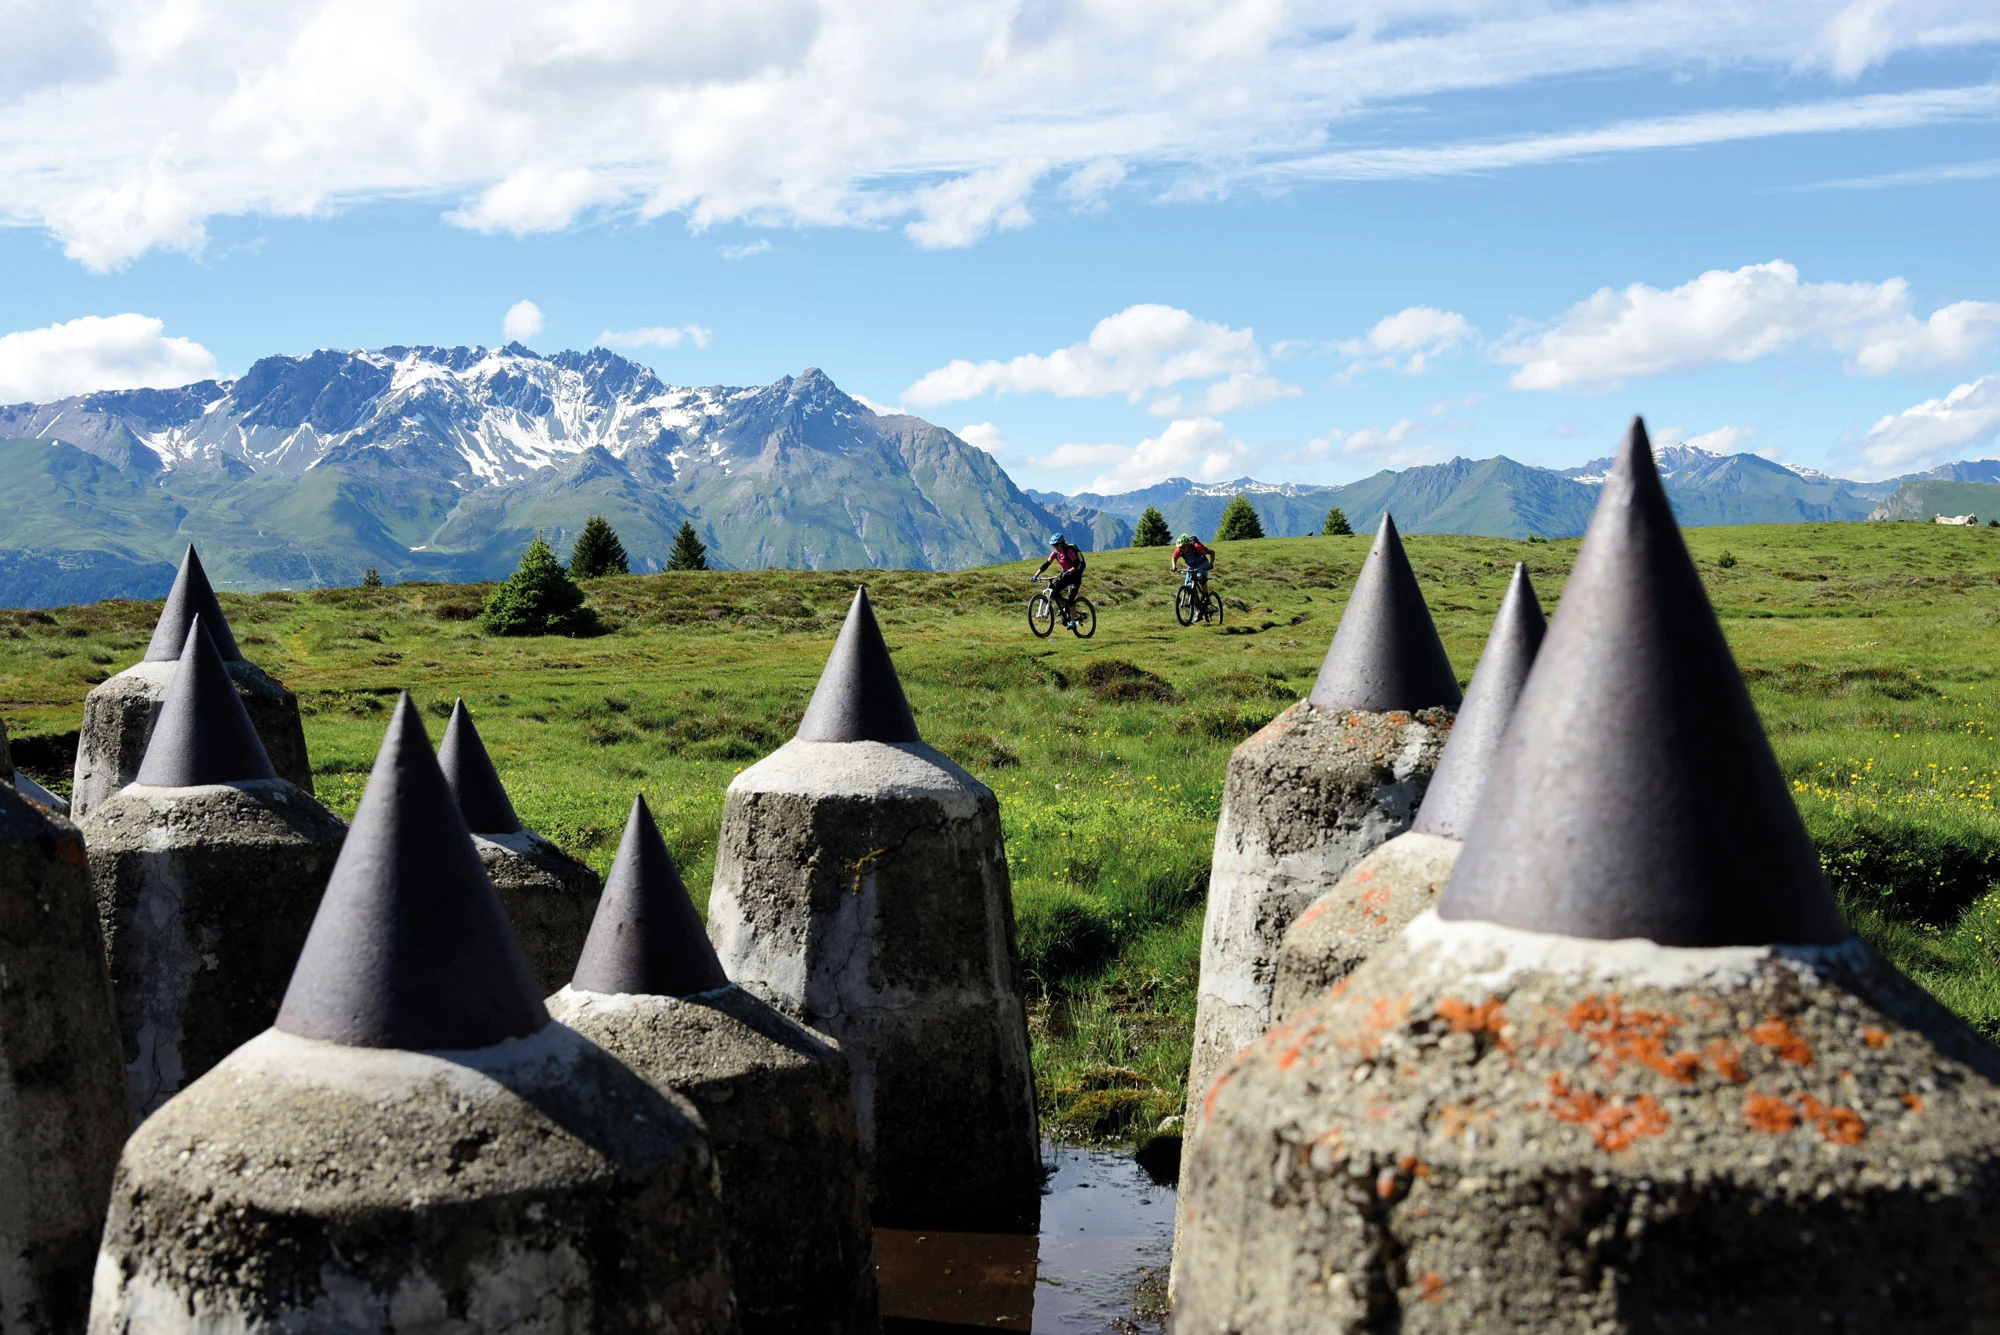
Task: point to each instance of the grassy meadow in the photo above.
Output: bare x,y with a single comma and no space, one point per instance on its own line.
1870,650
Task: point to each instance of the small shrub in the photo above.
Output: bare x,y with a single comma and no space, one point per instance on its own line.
1152,530
597,551
1239,522
1726,561
372,580
538,599
1536,537
456,611
689,553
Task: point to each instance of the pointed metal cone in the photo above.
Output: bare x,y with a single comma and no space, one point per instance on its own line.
1461,773
190,597
1386,653
410,948
482,798
1635,794
646,937
859,697
203,734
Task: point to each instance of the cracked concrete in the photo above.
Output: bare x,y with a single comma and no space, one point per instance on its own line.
118,718
204,896
1485,1129
62,1085
536,1187
861,888
776,1100
549,896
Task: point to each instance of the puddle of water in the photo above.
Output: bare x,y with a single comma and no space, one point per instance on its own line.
1106,1228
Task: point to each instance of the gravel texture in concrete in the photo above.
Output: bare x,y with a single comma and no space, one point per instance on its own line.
204,896
62,1085
861,888
776,1100
1369,908
1488,1129
549,896
533,1187
118,718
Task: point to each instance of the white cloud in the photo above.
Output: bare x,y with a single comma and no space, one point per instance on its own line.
745,251
1139,350
97,352
126,124
1741,315
656,336
1200,447
879,409
1088,186
984,435
522,321
1408,339
1967,418
536,198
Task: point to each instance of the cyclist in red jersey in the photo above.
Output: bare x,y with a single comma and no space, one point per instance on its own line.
1067,558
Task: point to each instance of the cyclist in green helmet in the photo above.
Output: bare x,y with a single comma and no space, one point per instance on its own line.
1199,556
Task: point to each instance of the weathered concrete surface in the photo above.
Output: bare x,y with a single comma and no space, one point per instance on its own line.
1372,905
62,1086
549,896
535,1186
118,718
779,1110
1487,1129
861,888
1304,800
204,896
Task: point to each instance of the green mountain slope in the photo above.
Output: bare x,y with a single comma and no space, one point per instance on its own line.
1936,496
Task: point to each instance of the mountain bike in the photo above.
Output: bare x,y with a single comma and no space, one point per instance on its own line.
1043,614
1195,601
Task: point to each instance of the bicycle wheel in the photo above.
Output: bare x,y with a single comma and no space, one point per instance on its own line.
1042,615
1212,607
1085,617
1184,606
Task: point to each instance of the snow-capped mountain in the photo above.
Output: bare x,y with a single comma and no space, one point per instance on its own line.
442,462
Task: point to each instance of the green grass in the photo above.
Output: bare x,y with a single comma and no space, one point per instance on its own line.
1869,648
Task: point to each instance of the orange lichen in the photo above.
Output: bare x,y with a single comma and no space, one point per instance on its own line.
1208,1101
1364,874
1766,1112
1914,1102
1779,1036
1614,1123
1386,1184
1466,1018
1288,1051
1724,1060
1632,1036
1384,1014
1841,1126
1411,1166
1875,1038
1317,907
1430,1287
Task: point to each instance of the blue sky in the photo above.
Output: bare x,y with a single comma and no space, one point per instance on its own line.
1110,241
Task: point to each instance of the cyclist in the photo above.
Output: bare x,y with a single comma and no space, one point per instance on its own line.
1199,556
1068,560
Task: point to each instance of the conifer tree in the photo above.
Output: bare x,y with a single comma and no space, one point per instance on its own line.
1239,521
538,599
372,580
1336,525
689,553
597,551
1152,530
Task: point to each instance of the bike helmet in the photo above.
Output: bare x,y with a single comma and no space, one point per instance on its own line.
1186,540
1055,539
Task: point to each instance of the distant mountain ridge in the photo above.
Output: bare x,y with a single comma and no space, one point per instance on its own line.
1500,497
441,463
